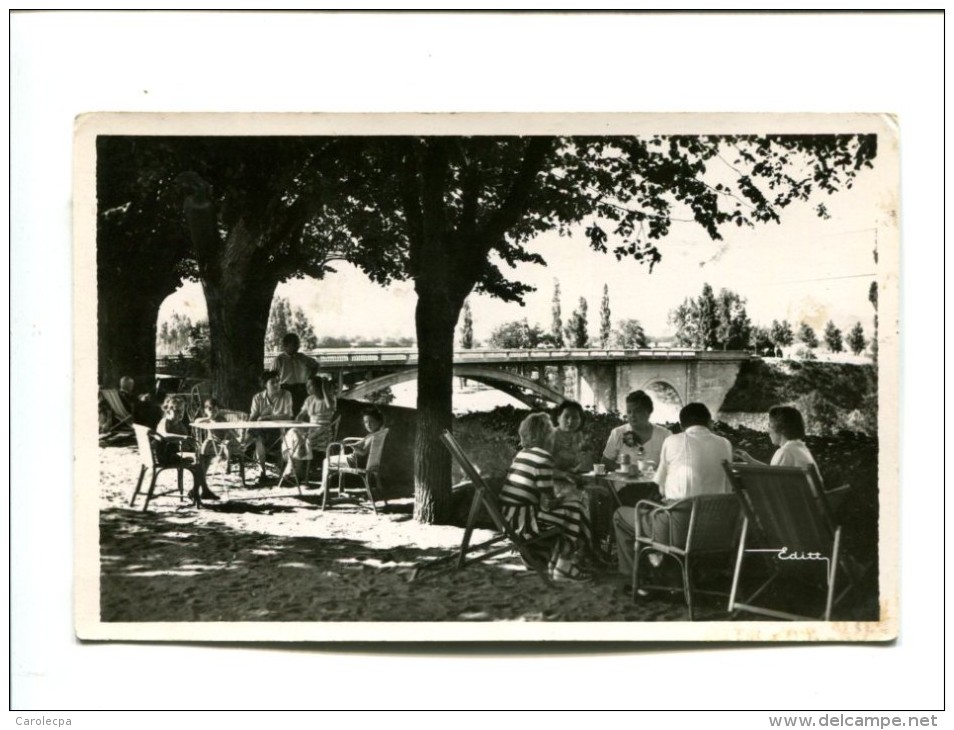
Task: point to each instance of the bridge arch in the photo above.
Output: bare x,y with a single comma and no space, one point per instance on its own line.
656,384
510,383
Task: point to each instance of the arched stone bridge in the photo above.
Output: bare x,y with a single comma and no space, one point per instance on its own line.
598,379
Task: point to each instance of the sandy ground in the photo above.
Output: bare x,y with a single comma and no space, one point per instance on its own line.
273,555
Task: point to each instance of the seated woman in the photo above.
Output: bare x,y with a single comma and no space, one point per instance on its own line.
569,453
318,408
272,404
786,429
176,439
529,504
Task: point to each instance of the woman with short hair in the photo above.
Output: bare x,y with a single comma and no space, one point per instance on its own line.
530,506
786,429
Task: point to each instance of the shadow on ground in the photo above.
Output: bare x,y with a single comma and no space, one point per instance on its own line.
166,567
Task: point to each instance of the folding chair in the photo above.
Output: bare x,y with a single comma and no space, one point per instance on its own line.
484,498
789,522
122,418
336,459
152,459
713,529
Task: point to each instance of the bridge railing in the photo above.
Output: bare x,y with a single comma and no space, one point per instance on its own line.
332,357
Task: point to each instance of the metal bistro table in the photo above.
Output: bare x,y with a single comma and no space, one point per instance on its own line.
617,480
282,426
614,482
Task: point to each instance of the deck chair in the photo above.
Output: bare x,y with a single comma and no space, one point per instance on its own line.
151,460
122,418
337,463
485,499
713,529
788,522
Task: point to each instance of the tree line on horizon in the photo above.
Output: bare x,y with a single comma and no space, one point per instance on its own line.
711,321
180,336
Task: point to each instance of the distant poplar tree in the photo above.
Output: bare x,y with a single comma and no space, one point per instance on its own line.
467,329
806,335
576,327
856,339
606,326
304,329
556,326
833,337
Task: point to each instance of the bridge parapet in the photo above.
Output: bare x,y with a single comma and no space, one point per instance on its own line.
335,358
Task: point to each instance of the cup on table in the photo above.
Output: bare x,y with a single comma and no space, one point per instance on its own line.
599,469
641,465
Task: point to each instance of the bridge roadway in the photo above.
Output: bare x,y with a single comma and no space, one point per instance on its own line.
348,358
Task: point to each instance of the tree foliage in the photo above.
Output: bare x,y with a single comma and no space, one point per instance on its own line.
576,330
781,333
517,335
630,335
856,339
832,337
710,322
807,336
761,341
606,326
467,329
556,323
282,319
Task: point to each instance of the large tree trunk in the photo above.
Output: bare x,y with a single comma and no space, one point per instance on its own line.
238,316
435,319
126,330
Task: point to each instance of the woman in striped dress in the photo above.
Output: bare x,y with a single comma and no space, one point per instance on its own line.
529,506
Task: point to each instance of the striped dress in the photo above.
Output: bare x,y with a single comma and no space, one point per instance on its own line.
530,473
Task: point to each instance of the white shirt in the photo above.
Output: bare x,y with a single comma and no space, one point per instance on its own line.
691,464
615,447
793,453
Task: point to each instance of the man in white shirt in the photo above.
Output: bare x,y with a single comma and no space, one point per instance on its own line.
294,368
690,464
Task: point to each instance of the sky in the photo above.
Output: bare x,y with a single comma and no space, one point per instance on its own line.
804,269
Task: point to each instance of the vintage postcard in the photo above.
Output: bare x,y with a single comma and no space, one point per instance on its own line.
486,377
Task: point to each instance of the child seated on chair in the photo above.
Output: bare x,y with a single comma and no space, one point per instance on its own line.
219,444
360,449
533,500
176,440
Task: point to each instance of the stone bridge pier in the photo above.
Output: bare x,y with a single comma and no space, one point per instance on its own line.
604,386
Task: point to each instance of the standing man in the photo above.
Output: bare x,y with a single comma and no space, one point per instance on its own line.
690,465
294,369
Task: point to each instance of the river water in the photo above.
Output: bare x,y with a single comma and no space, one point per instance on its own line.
474,398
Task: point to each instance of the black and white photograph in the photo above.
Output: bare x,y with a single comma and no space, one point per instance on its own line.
477,360
492,375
